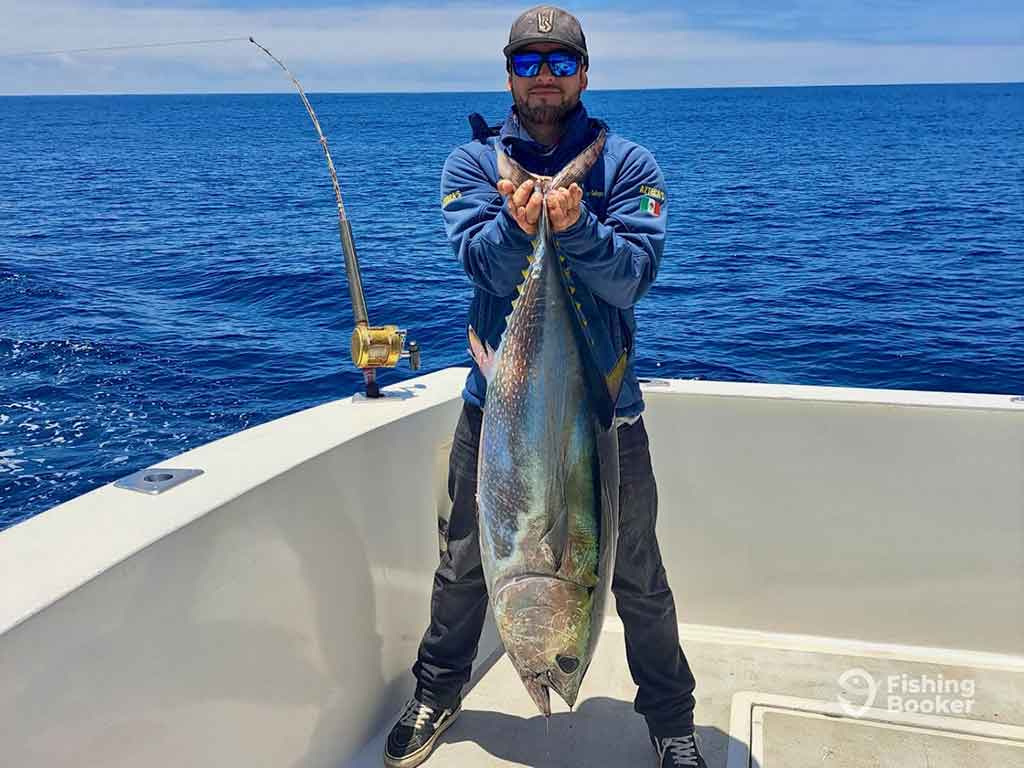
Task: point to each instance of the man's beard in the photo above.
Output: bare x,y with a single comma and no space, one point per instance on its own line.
543,114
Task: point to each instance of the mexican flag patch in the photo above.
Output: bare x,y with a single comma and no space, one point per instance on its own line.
649,205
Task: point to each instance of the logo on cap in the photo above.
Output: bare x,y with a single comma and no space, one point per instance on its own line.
545,20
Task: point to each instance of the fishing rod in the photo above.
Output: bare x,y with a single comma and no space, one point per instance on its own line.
373,347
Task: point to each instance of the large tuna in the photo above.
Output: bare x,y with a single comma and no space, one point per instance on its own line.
548,468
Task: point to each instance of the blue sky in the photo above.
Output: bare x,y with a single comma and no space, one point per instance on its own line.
435,46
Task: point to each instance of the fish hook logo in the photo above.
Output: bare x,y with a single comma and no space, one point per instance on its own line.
545,20
859,685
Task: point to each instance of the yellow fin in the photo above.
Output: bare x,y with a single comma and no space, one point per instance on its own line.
614,379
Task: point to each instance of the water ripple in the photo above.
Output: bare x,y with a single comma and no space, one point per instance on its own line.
172,272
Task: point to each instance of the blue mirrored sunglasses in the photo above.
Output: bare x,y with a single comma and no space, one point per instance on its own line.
561,63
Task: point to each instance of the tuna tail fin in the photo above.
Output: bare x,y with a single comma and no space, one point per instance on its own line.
485,357
514,172
578,168
573,173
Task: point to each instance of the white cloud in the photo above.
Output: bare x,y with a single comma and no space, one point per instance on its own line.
446,48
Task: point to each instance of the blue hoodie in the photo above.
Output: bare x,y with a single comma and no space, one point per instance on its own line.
613,249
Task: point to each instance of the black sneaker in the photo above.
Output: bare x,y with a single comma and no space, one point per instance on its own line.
678,752
412,739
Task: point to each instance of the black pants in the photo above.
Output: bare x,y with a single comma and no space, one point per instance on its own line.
458,605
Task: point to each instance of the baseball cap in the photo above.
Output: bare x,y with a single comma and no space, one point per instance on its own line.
547,24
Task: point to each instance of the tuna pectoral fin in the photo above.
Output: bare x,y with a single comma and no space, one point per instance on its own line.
485,357
555,540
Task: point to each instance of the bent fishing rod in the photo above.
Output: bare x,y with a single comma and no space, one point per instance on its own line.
373,347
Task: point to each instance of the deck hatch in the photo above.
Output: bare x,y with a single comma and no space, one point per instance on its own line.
772,731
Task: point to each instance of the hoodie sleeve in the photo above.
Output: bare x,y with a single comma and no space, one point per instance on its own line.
488,241
619,257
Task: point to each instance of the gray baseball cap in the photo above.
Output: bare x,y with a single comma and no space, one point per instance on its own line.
547,24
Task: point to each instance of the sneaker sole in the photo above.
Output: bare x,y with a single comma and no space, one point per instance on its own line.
421,754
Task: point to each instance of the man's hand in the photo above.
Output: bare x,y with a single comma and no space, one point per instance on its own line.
564,207
523,203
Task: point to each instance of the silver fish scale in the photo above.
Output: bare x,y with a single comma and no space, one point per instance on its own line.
536,430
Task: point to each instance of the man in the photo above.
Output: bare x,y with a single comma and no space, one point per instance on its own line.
612,232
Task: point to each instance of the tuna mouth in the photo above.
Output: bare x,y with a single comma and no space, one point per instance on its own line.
537,686
540,688
544,623
568,690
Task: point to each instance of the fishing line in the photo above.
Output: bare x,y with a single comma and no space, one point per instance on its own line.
137,46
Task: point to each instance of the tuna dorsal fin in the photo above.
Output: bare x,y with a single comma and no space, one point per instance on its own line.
485,357
513,171
580,166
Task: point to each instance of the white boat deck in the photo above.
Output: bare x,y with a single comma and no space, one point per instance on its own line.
266,612
501,728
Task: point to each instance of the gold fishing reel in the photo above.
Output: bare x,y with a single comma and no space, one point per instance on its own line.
382,347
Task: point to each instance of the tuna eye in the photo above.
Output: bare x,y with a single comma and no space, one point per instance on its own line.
568,664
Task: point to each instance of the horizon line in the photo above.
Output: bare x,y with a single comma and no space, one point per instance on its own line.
452,92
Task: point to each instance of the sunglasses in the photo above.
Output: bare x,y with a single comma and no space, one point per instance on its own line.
561,63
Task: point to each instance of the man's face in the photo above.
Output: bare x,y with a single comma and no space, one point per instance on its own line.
546,99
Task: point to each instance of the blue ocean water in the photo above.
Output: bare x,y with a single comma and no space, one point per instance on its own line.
170,269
